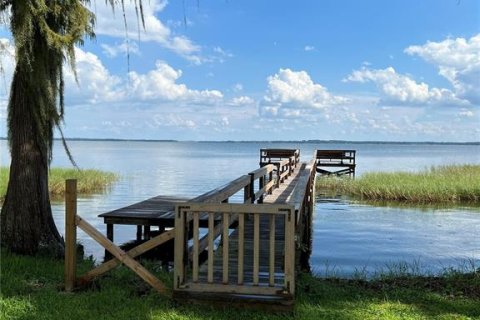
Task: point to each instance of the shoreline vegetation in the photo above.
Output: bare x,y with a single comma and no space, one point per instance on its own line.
89,181
32,288
454,184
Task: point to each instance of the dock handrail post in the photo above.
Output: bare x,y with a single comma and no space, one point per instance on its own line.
289,262
70,234
279,173
179,257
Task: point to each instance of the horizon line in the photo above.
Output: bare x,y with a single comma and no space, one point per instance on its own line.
272,141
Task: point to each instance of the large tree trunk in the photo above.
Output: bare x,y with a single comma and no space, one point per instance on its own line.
27,225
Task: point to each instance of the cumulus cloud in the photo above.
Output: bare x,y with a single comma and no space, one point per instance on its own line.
290,93
95,83
111,23
466,113
458,60
161,84
7,62
123,48
401,89
309,48
241,101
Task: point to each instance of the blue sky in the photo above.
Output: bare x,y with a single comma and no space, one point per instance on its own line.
263,70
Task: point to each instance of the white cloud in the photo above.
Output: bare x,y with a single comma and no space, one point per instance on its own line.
221,54
466,113
112,24
241,101
173,120
237,87
309,48
458,60
7,63
161,84
95,83
295,90
401,89
112,51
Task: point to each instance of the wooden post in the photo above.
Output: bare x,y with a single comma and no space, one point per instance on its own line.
196,227
108,255
210,247
70,234
278,175
256,247
241,242
225,247
261,184
147,233
270,178
179,258
271,267
290,252
139,233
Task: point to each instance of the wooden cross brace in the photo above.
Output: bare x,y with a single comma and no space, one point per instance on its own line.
124,257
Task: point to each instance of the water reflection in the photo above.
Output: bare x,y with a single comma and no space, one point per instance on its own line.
354,237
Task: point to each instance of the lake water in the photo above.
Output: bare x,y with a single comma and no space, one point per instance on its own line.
348,236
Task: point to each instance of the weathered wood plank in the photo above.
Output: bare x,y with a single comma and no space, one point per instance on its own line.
122,256
241,251
135,252
271,269
70,234
256,248
225,239
210,247
196,250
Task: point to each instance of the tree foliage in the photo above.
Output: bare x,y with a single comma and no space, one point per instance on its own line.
45,33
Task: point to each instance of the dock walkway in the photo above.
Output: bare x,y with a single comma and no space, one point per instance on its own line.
243,253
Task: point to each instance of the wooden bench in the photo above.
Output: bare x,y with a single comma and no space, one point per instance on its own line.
268,156
336,158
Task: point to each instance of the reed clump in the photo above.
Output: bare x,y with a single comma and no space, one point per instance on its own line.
89,181
448,183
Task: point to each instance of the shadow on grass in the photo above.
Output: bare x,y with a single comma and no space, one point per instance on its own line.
31,289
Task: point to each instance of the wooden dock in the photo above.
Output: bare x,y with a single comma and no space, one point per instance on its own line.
228,253
336,162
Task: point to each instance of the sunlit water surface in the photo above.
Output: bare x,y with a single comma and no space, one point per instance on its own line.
349,237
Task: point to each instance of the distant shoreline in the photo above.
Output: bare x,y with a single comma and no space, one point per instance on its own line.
272,141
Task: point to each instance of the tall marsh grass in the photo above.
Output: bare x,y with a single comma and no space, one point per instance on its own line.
449,183
88,180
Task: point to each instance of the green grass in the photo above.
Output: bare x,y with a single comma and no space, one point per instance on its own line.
31,289
448,184
89,181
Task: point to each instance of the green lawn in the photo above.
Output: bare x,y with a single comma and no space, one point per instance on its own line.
89,181
442,184
31,289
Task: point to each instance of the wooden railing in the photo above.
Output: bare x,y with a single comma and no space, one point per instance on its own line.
72,221
302,195
336,156
266,182
344,159
235,281
223,217
268,156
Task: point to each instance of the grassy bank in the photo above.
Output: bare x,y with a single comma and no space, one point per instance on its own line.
453,183
89,181
30,289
